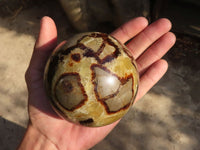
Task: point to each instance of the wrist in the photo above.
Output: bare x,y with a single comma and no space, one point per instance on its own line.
34,140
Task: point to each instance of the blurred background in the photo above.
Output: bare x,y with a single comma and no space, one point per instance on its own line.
166,118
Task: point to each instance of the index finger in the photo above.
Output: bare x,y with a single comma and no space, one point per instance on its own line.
131,28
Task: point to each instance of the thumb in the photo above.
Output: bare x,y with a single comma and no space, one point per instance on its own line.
45,43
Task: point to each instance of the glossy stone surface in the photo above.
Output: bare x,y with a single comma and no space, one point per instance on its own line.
91,80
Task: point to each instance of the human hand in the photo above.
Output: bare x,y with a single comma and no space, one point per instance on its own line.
46,130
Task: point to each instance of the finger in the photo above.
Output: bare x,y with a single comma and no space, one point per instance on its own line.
143,40
130,29
155,52
46,42
151,77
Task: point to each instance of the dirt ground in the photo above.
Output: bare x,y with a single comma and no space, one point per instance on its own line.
167,118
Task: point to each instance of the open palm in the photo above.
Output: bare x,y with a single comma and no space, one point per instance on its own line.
147,45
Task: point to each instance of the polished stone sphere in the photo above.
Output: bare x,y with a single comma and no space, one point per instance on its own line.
91,80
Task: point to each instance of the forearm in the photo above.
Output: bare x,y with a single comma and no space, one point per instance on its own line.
34,140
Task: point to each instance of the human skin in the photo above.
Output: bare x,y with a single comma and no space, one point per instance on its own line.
46,130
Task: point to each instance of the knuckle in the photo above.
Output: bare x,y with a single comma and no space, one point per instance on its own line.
27,75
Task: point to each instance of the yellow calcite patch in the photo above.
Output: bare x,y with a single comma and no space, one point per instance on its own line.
108,50
92,43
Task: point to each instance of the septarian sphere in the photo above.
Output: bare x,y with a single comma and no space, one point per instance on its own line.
91,80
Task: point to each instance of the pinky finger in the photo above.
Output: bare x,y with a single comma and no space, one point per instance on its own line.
151,77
